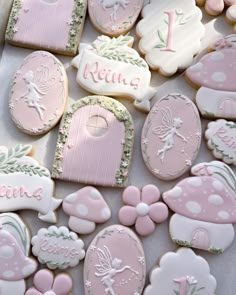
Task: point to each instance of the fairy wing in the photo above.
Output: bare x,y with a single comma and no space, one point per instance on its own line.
105,260
166,122
43,79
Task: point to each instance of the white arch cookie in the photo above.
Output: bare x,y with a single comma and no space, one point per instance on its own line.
14,252
109,66
171,33
182,273
53,25
215,75
38,93
95,143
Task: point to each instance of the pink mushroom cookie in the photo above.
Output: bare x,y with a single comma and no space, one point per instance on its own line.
221,140
46,284
115,263
205,208
181,273
215,75
53,25
86,207
215,7
171,136
114,17
142,209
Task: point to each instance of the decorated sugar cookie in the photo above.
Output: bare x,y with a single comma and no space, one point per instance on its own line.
86,207
38,93
24,184
215,75
114,17
95,143
46,283
205,206
114,263
57,247
14,252
221,139
171,137
109,66
231,15
171,33
215,7
54,25
143,209
182,273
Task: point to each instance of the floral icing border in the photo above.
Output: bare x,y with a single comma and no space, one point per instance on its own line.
11,27
120,112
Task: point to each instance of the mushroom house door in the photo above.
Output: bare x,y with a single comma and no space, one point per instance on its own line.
200,239
97,142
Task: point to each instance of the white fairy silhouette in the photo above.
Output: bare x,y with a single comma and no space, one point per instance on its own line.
37,85
115,4
109,268
167,131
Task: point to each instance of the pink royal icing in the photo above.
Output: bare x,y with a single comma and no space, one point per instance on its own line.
142,209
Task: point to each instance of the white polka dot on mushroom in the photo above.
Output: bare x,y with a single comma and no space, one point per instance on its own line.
106,213
215,200
217,56
8,274
219,77
217,185
195,181
223,215
6,252
94,194
197,67
193,207
82,209
175,192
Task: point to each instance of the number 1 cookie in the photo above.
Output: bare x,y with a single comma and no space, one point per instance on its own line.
171,33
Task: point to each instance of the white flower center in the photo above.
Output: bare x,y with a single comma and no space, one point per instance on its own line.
142,209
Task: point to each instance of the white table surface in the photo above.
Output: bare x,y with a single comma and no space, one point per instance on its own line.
223,266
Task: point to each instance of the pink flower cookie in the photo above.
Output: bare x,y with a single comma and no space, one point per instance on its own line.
54,25
205,206
46,283
142,209
181,273
86,207
114,17
215,75
215,7
171,33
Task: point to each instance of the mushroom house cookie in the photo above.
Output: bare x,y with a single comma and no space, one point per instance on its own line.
14,252
115,263
46,284
143,209
24,184
205,206
53,25
95,143
221,139
86,207
109,66
57,247
215,75
171,136
215,7
38,93
114,17
171,33
181,273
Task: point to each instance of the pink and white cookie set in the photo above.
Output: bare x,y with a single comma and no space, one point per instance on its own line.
95,145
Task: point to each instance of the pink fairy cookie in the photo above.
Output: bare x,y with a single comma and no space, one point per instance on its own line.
171,33
109,66
46,283
221,139
143,209
24,184
205,206
181,273
54,25
95,143
114,17
171,137
115,263
57,247
86,207
14,252
215,7
38,93
215,75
